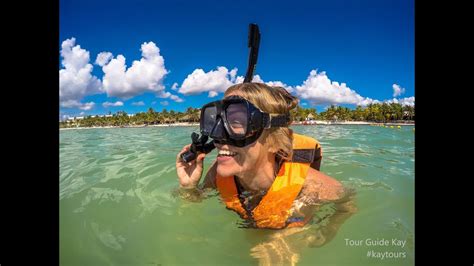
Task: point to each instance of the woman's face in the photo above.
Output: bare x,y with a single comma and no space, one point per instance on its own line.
232,160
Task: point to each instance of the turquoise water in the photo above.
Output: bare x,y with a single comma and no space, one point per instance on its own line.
117,205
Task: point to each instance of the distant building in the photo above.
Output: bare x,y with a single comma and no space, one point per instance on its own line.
310,117
72,119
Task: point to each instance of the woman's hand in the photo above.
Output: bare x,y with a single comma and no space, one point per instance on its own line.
190,173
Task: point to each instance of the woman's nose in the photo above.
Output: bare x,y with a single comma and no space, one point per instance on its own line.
218,132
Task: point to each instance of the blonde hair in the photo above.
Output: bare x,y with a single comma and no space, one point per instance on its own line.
272,100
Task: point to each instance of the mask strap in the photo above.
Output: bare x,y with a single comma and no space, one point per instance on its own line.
276,121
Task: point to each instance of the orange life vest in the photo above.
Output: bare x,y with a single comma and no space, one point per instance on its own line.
273,210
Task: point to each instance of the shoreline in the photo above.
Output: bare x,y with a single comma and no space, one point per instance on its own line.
312,123
323,122
139,126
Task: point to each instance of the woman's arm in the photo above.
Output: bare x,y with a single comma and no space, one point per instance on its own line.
319,191
336,203
329,222
201,191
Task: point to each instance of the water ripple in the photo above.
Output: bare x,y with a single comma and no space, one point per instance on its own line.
117,204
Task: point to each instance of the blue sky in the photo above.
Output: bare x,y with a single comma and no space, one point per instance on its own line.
325,52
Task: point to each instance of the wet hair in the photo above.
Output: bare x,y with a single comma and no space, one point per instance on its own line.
275,101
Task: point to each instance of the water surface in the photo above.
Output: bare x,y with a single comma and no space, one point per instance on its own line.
117,205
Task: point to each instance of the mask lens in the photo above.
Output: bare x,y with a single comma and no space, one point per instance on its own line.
236,115
209,119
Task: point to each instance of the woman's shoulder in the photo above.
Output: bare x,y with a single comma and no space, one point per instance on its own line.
320,186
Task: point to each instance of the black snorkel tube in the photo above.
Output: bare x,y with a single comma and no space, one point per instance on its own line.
199,144
253,44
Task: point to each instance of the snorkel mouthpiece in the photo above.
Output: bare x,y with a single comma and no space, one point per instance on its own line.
198,145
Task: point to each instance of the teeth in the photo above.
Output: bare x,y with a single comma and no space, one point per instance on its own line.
227,153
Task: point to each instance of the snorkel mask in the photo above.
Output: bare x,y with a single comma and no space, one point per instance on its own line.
215,115
237,122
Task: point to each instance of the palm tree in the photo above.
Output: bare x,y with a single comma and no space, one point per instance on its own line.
408,112
358,114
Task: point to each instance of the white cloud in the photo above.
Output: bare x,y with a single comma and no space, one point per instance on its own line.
408,101
65,117
404,101
103,58
153,103
77,104
176,98
280,84
165,94
239,79
81,113
275,84
319,89
164,103
143,76
140,103
71,104
258,79
367,101
255,79
109,104
75,79
87,106
174,86
397,90
215,80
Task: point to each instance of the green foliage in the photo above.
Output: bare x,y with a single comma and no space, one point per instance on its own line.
373,112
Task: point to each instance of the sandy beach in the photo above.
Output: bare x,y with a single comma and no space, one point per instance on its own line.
181,124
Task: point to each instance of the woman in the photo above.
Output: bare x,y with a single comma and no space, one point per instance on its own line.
255,171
